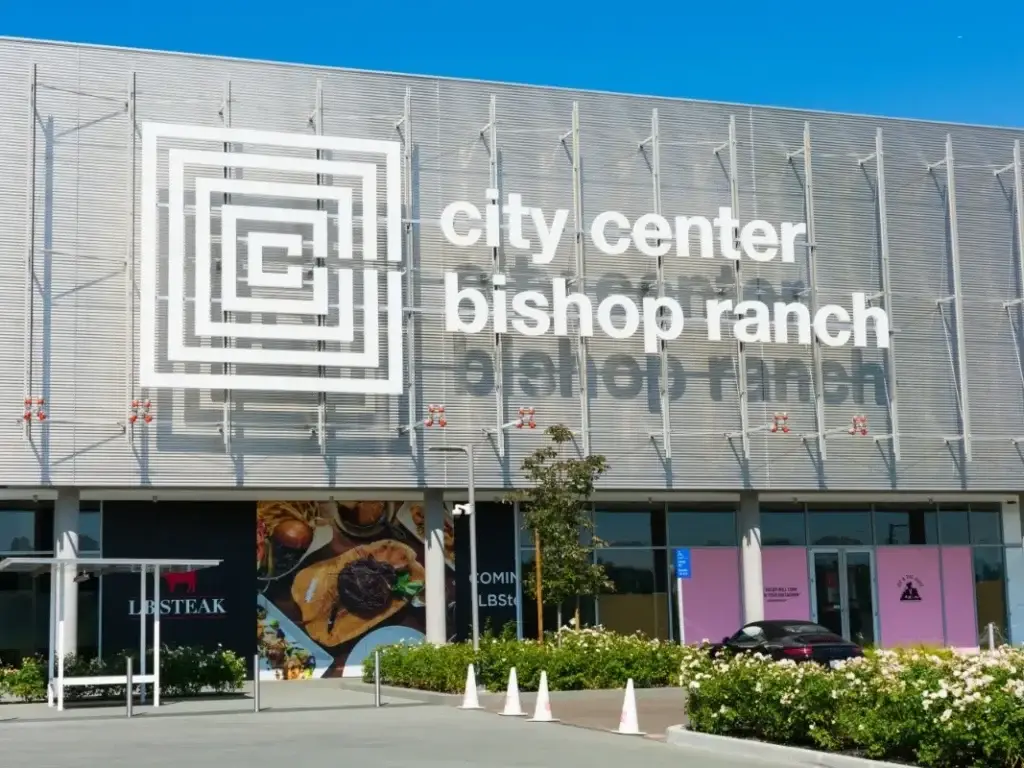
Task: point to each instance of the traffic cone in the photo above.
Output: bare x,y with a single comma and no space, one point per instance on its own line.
629,724
470,699
542,712
512,706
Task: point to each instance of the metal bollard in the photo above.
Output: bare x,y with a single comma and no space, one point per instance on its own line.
991,636
256,683
129,703
376,679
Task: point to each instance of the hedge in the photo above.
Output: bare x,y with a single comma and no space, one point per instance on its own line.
574,660
184,671
936,709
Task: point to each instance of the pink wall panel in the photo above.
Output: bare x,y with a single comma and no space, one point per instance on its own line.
711,598
787,593
910,601
958,583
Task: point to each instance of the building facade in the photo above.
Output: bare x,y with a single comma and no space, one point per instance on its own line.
795,336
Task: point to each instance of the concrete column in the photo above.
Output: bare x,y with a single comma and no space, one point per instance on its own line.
437,604
750,558
65,544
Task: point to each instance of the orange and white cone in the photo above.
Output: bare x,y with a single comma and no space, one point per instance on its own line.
513,707
629,724
542,712
470,699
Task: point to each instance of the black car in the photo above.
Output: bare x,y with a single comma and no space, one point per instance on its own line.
796,640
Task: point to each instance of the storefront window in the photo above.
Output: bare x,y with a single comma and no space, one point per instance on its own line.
839,526
640,599
986,527
990,590
906,524
954,530
89,534
706,526
588,614
783,525
639,526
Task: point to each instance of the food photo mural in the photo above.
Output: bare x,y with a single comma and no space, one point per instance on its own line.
337,579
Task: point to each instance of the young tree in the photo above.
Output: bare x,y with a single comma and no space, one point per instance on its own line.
556,511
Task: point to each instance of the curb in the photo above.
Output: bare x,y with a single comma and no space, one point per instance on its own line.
680,736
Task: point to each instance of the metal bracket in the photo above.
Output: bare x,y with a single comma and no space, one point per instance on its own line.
960,359
140,410
226,429
779,425
526,419
28,332
812,279
579,250
892,382
654,141
858,426
741,353
317,119
1018,204
435,415
404,129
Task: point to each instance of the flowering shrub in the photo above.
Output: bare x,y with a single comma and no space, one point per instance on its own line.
942,710
574,660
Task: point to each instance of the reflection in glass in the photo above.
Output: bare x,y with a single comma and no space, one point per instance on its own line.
783,526
640,526
588,615
986,527
24,616
89,536
709,526
18,530
640,599
88,617
906,524
990,589
953,529
827,601
839,526
859,598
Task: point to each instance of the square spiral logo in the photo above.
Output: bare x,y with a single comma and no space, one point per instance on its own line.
270,315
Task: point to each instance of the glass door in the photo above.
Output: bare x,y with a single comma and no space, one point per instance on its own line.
843,592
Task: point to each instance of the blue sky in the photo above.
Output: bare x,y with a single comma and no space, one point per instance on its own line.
907,58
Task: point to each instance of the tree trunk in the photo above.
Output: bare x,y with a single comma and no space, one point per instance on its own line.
540,588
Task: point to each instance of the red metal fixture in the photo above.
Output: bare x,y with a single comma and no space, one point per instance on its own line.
34,409
435,414
140,409
780,423
859,425
526,418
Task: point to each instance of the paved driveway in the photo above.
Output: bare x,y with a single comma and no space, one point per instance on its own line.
395,736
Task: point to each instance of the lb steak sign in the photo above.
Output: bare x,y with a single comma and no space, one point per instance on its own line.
180,598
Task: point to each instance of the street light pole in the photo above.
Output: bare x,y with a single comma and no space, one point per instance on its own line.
471,483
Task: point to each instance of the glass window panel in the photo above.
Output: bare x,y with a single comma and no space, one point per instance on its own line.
839,525
89,534
24,616
783,525
706,526
986,524
640,600
633,526
588,614
906,524
953,527
990,590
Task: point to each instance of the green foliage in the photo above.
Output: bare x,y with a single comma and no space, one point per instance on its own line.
587,659
184,671
936,709
555,508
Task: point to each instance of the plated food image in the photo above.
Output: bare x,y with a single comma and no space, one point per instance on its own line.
289,660
287,532
344,597
412,517
361,519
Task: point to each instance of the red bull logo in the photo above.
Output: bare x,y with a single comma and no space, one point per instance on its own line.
186,578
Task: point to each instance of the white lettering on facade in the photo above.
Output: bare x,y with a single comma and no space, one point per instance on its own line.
190,606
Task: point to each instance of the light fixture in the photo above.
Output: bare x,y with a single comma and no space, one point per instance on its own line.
82,577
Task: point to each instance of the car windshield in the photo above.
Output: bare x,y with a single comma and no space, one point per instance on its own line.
803,629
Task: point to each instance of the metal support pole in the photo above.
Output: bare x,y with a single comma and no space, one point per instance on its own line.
142,632
226,405
579,248
655,161
812,278
991,636
129,684
129,261
957,297
321,397
892,381
256,683
376,678
1017,304
28,332
489,133
405,133
741,352
473,575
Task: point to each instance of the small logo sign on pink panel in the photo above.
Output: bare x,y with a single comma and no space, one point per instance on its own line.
910,601
786,583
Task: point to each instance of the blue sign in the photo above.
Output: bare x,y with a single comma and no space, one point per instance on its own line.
682,563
